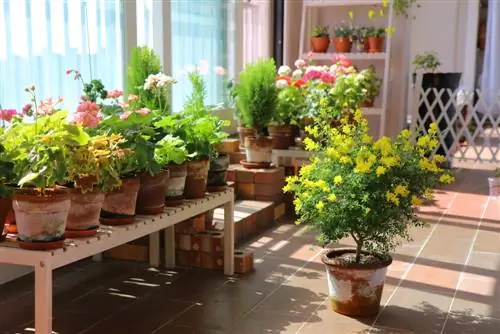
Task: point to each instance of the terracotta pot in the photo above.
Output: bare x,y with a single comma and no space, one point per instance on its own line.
196,179
176,183
119,205
375,44
246,132
320,44
368,103
151,196
41,218
85,209
259,149
354,289
218,170
5,209
282,135
342,44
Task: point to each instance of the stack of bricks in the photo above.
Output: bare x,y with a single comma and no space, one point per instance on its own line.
231,147
258,184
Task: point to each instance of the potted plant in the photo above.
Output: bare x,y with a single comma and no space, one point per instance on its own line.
367,190
371,82
342,41
93,170
320,39
217,172
494,183
39,150
361,37
376,39
257,95
171,152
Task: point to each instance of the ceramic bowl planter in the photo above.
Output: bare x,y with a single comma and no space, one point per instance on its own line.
259,150
119,206
41,219
283,136
354,289
83,217
217,173
174,193
320,44
494,186
342,44
196,179
245,132
375,44
151,196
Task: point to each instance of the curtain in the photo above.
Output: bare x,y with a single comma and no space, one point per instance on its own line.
490,81
41,39
199,33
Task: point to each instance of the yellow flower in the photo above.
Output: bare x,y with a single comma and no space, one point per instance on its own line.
346,129
405,134
320,205
366,139
332,197
389,161
358,116
433,129
305,171
401,190
337,180
416,201
391,197
380,170
446,178
345,160
311,145
297,203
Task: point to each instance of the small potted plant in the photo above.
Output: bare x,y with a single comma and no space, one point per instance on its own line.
320,39
367,190
257,97
361,37
371,82
494,183
376,38
343,38
217,172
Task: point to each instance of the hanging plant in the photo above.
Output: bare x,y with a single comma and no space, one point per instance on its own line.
401,7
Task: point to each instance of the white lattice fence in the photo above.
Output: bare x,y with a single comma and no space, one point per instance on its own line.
468,122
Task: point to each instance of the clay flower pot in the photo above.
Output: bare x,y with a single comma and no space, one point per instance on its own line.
85,209
375,44
217,172
41,218
354,289
245,132
259,149
196,179
342,44
320,44
119,206
151,196
5,209
368,103
174,192
283,136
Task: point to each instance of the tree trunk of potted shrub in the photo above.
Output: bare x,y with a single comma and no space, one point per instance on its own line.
151,196
175,184
196,179
217,173
283,136
41,219
119,205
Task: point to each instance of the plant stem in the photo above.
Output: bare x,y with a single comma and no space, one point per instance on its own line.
359,246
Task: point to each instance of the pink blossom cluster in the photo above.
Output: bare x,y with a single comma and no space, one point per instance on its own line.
6,115
48,106
87,114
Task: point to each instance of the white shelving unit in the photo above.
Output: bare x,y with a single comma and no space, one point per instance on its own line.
310,10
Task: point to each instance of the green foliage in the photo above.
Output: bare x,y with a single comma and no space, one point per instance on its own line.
290,107
365,189
171,150
371,82
257,94
360,34
401,6
320,31
376,32
428,62
40,150
343,30
7,176
143,62
95,90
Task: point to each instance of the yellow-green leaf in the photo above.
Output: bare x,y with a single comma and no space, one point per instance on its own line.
381,12
371,12
385,3
351,15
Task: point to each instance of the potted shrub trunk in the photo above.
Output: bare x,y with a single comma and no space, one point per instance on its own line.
367,190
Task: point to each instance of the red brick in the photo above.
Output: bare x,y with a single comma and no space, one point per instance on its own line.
228,145
279,211
188,258
191,226
231,175
212,261
244,175
246,190
243,262
270,175
212,242
278,198
269,189
236,157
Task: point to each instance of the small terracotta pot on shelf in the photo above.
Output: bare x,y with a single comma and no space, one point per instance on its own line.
196,179
151,196
283,136
174,193
119,206
375,44
342,44
320,44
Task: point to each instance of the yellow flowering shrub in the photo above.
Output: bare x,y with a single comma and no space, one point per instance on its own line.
365,189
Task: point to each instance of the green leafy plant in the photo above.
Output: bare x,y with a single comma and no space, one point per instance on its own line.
320,31
257,94
290,105
365,189
143,62
343,30
428,62
371,82
401,6
376,32
360,34
171,150
496,172
7,176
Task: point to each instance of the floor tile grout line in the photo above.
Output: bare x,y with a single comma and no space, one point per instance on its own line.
405,274
464,267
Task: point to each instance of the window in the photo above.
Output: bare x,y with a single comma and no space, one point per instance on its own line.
41,39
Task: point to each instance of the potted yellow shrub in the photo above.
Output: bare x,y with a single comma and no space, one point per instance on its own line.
367,190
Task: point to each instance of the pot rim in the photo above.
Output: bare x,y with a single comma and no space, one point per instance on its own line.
32,195
328,254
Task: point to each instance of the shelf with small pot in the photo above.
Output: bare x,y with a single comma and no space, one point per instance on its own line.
350,55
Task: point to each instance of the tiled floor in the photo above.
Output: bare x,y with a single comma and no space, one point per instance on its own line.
445,281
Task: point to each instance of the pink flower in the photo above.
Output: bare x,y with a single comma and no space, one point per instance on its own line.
300,63
86,119
68,71
27,108
89,107
47,107
125,115
310,54
342,60
219,70
133,97
7,114
114,94
143,111
319,75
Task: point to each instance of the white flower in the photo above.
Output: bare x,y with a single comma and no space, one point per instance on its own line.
158,80
297,74
281,83
333,69
203,69
317,68
284,70
299,63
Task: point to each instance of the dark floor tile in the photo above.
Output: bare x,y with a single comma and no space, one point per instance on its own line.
185,330
467,322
